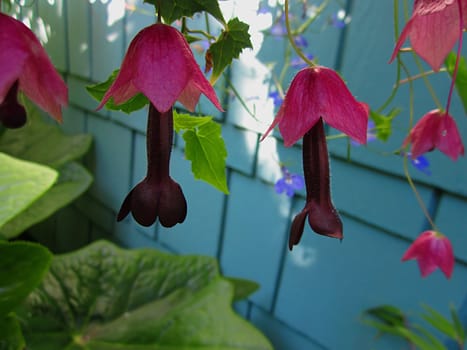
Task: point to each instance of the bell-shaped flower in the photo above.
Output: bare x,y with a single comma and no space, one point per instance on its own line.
319,92
158,195
432,250
23,61
436,129
322,216
159,64
433,29
12,114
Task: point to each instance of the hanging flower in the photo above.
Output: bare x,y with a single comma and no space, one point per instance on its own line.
435,129
160,64
433,29
432,250
25,67
319,92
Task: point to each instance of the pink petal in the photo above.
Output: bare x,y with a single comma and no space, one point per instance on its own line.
423,135
449,140
404,35
22,57
319,92
159,63
443,255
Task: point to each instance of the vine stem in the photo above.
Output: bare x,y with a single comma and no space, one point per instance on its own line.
291,39
459,51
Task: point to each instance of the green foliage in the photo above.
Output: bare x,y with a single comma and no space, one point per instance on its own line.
390,320
461,81
233,39
205,148
176,9
21,183
11,337
43,143
383,123
104,297
133,104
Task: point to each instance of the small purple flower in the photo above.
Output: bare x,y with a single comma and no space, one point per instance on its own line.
289,183
370,133
339,19
263,9
300,41
277,98
421,163
298,63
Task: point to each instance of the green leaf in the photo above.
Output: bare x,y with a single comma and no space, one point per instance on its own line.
228,46
73,181
22,267
457,324
11,337
44,143
461,80
435,343
438,321
242,287
133,104
188,122
387,314
383,123
21,183
205,148
176,9
103,297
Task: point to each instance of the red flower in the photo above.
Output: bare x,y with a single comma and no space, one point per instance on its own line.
433,29
432,250
435,129
319,92
160,64
24,61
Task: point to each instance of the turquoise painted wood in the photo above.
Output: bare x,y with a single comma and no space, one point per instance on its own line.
310,298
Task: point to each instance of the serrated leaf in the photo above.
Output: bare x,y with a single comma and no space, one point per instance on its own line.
188,122
22,267
176,9
383,123
73,181
102,297
205,148
22,183
233,39
44,143
461,80
133,104
11,337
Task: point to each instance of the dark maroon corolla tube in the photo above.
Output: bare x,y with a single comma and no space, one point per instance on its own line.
157,195
322,216
12,114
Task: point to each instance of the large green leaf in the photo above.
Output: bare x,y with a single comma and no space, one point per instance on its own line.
205,148
21,183
228,46
103,297
176,9
461,80
42,142
11,337
22,267
73,181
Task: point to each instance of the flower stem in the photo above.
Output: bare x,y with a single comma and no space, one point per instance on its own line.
291,39
459,51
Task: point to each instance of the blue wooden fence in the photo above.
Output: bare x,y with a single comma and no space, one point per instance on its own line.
310,298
